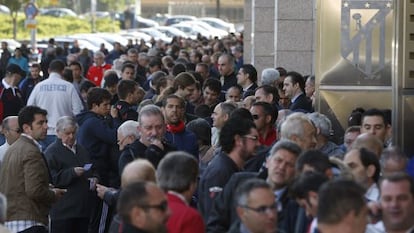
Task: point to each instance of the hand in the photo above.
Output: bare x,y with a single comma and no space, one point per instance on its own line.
59,192
79,170
374,209
157,142
114,112
100,189
92,183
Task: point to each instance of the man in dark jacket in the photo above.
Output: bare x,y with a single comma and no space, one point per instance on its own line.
294,87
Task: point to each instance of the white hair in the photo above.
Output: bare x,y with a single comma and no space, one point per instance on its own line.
129,128
269,76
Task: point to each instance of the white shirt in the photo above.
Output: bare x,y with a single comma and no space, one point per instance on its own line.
58,97
3,149
372,193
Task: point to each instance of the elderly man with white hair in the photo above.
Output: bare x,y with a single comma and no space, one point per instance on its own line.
270,76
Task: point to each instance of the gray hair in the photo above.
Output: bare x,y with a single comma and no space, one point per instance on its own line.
99,54
245,188
269,76
177,171
294,125
285,145
150,110
321,122
66,122
3,208
6,120
129,128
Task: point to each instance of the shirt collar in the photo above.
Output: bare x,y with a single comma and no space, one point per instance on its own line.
180,196
35,142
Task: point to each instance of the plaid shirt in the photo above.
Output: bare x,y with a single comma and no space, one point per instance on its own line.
21,225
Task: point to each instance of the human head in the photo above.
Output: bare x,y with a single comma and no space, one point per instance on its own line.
364,166
132,55
247,75
98,58
202,69
293,84
184,84
127,133
233,134
225,64
144,205
211,91
173,108
368,141
270,76
305,190
11,130
256,206
111,81
76,68
178,172
222,113
128,90
346,212
66,128
33,122
264,115
374,122
138,170
315,161
310,86
128,71
35,71
56,66
98,100
397,202
151,124
393,160
298,128
201,128
351,133
14,74
267,93
234,94
281,163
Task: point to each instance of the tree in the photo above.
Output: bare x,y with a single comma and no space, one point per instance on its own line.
14,6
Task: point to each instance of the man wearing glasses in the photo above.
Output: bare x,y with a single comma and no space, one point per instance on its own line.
11,132
143,207
256,208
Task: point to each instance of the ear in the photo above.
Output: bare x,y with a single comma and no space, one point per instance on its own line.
268,118
237,140
370,171
226,117
240,212
137,216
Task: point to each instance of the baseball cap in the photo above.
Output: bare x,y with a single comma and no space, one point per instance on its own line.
15,69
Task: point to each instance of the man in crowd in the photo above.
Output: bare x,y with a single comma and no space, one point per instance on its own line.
97,70
11,100
264,116
247,78
24,171
143,207
220,115
293,86
298,128
26,85
129,95
11,131
226,70
374,122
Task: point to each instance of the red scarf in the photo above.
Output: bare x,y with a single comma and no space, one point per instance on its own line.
176,128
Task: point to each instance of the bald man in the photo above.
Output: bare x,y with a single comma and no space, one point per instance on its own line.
370,142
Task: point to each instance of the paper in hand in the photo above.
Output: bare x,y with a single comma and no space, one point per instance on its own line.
87,166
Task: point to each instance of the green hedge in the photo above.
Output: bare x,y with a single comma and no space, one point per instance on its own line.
51,26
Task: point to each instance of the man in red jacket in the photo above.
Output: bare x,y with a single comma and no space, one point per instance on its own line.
97,70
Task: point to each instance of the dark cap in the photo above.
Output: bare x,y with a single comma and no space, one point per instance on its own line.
15,69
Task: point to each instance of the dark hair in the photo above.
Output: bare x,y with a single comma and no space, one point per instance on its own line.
27,115
76,63
156,61
127,64
282,71
97,95
213,85
67,74
202,129
353,129
268,110
251,71
111,79
232,127
241,113
315,159
270,90
343,197
374,112
172,96
57,66
203,111
36,65
126,87
189,67
369,158
355,117
85,86
184,80
285,145
177,171
159,79
131,196
307,182
297,78
177,69
398,177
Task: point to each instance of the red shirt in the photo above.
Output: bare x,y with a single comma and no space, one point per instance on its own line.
95,73
269,139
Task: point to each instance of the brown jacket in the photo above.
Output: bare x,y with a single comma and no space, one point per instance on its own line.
24,179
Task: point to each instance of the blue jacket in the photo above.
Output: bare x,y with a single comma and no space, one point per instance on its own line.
185,140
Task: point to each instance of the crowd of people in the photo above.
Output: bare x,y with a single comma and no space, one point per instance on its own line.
185,137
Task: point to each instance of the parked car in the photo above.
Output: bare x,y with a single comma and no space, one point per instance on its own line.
192,30
157,35
219,23
178,18
4,9
171,31
59,12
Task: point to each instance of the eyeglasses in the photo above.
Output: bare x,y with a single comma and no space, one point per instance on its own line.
162,207
254,138
15,130
262,209
255,116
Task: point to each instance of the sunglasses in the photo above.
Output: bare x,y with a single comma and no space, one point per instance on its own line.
163,206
